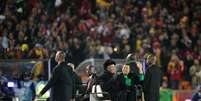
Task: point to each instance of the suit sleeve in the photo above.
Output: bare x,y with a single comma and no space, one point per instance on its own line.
52,81
154,84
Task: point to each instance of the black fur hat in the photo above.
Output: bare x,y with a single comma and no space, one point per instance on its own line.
107,63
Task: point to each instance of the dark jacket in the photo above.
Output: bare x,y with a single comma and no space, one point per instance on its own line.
77,82
90,83
60,83
152,83
127,92
109,84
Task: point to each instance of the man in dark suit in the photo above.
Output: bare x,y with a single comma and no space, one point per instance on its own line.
61,83
152,80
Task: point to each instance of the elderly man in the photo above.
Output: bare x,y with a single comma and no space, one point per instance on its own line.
195,72
108,79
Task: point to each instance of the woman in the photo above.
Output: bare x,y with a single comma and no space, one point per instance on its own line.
175,71
127,83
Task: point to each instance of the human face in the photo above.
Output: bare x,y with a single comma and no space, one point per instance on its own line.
126,69
151,60
112,69
57,57
88,70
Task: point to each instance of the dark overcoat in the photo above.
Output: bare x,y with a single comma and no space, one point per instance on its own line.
152,83
61,83
109,84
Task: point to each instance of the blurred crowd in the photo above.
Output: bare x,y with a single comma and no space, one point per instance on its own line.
21,86
35,29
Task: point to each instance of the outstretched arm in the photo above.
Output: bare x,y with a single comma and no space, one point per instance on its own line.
52,81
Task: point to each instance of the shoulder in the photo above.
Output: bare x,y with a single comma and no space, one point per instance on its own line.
155,68
56,68
104,76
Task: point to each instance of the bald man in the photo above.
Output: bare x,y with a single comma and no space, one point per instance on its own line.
61,83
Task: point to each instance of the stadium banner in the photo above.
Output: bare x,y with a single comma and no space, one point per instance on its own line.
175,95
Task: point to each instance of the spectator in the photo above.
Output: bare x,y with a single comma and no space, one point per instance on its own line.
175,70
165,82
27,87
2,77
6,93
185,85
2,82
197,96
38,52
195,72
37,70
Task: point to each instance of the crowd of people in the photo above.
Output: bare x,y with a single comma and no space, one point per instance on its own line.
35,29
21,87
